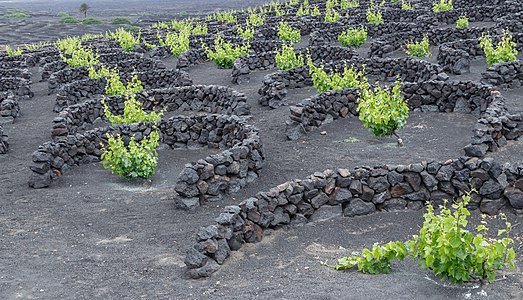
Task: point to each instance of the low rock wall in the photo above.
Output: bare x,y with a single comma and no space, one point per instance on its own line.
4,145
9,107
265,60
275,86
70,74
350,193
19,86
504,75
198,98
199,182
113,57
435,96
494,128
78,91
15,72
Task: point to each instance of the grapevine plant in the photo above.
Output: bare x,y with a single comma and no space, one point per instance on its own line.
346,4
178,42
419,49
383,111
246,33
442,5
126,39
115,86
445,246
136,160
504,51
224,54
331,15
287,33
374,18
353,37
132,112
406,5
462,22
13,52
349,78
287,58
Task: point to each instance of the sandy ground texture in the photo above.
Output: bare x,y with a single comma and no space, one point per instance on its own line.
92,235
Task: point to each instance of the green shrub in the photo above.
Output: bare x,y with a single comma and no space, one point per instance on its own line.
255,20
462,22
132,112
12,52
315,11
504,51
374,18
200,28
120,21
115,87
375,261
331,15
383,111
182,25
160,25
279,11
70,20
101,72
346,4
331,4
406,5
226,16
224,54
302,11
62,14
419,49
126,39
36,46
178,42
81,57
91,21
137,160
353,37
287,58
287,33
349,78
442,5
247,33
445,246
17,15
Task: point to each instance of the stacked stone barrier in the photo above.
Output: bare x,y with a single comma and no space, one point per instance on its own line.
9,107
455,56
243,66
197,98
494,127
4,145
70,74
13,64
199,182
329,35
19,86
350,193
429,96
81,90
275,86
208,179
110,58
15,72
504,75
